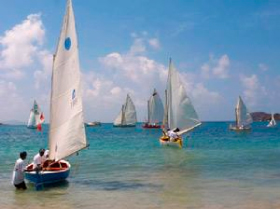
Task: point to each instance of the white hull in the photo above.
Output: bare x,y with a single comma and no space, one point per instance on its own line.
236,128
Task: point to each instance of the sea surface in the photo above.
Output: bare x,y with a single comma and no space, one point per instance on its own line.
127,168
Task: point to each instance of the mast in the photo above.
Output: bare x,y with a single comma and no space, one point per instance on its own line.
149,111
67,131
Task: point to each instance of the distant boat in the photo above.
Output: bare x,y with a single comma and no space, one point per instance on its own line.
272,122
95,123
67,131
155,111
243,117
36,117
179,111
127,116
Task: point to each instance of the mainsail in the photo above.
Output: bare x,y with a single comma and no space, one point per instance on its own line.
155,108
127,115
36,116
67,131
243,117
179,111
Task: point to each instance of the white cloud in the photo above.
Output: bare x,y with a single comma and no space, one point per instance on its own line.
21,43
253,91
22,55
205,71
12,104
138,46
263,67
45,59
221,70
216,68
135,68
154,43
197,90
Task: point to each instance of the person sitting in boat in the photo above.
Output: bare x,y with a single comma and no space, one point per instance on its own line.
173,134
39,159
165,132
18,173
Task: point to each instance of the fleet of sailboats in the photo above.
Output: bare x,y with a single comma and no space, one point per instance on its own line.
272,122
127,116
179,111
67,128
67,132
155,111
36,117
243,117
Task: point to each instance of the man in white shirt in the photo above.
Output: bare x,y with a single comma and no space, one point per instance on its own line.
39,159
173,134
18,173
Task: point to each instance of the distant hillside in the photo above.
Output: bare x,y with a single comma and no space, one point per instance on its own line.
263,116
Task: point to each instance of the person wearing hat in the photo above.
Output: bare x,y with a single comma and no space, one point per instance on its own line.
18,173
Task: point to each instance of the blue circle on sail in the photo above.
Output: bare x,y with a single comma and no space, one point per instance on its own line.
67,43
73,94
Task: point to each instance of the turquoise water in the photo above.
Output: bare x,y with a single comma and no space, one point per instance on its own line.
127,168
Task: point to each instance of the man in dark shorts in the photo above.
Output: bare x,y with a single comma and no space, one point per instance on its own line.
18,174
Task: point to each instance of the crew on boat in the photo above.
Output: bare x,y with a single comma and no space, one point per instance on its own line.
39,159
172,134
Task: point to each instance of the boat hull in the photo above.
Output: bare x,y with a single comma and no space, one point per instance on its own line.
147,125
165,140
270,126
48,176
236,128
92,124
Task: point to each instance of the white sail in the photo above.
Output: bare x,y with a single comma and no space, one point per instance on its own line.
179,111
155,109
243,117
127,115
272,122
67,131
118,120
130,112
35,117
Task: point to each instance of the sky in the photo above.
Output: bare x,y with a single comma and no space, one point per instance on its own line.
222,49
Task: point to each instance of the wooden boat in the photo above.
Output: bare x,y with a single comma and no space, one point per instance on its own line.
155,112
36,117
243,117
272,122
95,123
67,131
179,111
127,116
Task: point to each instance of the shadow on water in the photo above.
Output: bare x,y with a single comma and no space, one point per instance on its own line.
116,185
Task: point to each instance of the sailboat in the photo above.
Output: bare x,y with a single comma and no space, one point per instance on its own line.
243,117
155,111
36,117
272,122
67,132
179,111
127,116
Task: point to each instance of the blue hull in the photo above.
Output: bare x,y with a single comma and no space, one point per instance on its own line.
48,177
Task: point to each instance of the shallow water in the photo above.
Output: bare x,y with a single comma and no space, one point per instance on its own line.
127,168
